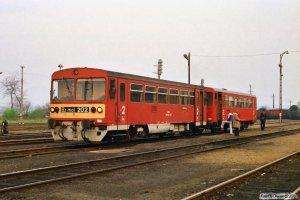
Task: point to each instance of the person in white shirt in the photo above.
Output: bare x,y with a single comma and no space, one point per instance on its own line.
229,121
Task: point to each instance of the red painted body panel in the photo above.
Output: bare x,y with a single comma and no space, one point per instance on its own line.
217,110
127,112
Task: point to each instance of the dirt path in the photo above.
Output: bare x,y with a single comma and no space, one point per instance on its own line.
172,179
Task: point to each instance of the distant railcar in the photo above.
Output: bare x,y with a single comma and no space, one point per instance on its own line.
275,113
94,104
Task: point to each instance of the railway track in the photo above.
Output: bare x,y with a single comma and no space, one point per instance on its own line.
278,179
34,177
26,141
25,135
45,150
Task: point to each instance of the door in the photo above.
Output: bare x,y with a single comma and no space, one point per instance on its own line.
199,107
122,105
220,106
201,102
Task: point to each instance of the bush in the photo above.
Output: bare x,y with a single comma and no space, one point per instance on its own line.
10,114
38,113
294,112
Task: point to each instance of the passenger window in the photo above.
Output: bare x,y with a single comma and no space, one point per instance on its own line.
136,92
184,97
162,95
174,95
209,98
112,90
192,98
122,92
150,95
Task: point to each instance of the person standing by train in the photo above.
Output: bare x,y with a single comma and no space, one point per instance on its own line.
229,122
263,118
236,123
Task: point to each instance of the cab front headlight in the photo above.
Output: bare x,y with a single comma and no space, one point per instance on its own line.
99,109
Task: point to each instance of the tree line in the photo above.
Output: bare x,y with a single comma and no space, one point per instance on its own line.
11,87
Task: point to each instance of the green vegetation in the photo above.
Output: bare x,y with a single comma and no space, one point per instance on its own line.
28,121
36,116
38,113
294,112
10,114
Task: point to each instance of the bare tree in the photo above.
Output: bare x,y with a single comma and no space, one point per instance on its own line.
11,86
27,106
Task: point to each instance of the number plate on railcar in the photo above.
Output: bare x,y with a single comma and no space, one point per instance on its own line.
74,109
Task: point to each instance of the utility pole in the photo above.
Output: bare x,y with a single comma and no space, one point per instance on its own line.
159,68
188,57
22,94
280,84
250,89
273,101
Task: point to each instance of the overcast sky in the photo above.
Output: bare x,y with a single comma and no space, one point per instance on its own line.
131,35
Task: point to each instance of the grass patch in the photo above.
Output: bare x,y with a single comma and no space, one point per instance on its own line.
27,121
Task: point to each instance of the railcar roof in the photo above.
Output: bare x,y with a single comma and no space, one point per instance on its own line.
144,78
233,92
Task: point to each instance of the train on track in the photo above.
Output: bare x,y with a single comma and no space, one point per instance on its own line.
94,105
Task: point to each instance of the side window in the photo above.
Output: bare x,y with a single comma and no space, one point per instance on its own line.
112,89
236,102
231,101
209,98
122,92
192,98
184,97
250,103
174,95
246,103
241,103
162,95
150,94
226,101
136,92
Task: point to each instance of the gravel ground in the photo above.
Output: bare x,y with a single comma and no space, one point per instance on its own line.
173,179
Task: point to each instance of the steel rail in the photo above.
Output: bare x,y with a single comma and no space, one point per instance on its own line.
213,189
43,150
26,141
154,157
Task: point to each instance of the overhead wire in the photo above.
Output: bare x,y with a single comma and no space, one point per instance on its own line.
237,56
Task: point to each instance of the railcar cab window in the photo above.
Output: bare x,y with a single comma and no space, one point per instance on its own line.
150,95
184,97
63,90
136,92
174,96
90,89
162,95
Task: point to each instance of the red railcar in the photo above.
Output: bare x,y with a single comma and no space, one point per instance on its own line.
221,101
94,104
